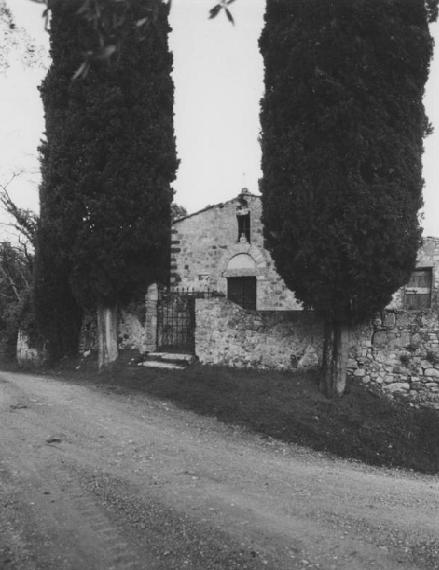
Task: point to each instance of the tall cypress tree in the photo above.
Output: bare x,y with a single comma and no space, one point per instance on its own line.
342,130
108,163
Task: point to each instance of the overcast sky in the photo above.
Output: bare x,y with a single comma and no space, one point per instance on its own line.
218,75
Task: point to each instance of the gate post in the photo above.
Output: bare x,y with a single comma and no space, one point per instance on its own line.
151,301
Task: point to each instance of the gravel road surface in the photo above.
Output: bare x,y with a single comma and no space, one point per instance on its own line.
97,478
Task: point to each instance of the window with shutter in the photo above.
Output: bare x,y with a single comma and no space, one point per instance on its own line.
417,294
242,291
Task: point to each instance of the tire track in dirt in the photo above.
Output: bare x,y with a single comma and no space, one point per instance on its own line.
177,538
161,481
49,514
56,491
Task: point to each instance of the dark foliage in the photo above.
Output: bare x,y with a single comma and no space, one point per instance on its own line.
16,266
178,211
342,130
58,316
108,163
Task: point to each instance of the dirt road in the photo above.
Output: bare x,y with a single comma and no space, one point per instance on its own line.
95,479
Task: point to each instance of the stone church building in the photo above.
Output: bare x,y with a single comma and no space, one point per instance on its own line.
221,249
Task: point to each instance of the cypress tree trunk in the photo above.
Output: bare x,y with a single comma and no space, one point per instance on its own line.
335,357
107,336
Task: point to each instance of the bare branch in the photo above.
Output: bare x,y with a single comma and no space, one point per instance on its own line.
26,221
10,281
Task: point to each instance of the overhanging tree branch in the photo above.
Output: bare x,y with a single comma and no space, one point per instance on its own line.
26,221
108,18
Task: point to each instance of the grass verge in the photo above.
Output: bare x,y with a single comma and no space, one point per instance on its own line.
289,407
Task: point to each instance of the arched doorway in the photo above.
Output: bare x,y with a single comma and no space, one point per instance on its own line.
241,281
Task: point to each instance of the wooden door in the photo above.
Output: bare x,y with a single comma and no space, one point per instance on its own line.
242,291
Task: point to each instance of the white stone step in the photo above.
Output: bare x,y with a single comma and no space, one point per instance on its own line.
172,356
160,364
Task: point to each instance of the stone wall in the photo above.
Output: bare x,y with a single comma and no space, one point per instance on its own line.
399,354
131,337
130,332
396,353
205,242
229,335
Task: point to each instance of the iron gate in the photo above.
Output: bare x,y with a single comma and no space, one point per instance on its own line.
176,322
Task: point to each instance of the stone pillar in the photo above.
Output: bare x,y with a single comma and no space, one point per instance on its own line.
108,350
27,356
151,301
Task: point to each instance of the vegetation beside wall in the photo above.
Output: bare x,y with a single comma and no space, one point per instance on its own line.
16,305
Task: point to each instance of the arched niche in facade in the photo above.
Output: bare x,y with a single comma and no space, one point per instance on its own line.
241,265
245,262
242,259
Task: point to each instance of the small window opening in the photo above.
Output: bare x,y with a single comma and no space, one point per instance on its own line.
244,227
243,216
418,290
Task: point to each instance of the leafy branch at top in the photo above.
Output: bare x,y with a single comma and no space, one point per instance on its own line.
107,18
222,6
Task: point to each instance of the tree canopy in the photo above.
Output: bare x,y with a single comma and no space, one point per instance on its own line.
107,21
342,130
108,163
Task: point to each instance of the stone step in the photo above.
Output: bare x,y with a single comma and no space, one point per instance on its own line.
160,364
174,357
172,360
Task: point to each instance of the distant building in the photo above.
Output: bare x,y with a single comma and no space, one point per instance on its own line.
421,292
